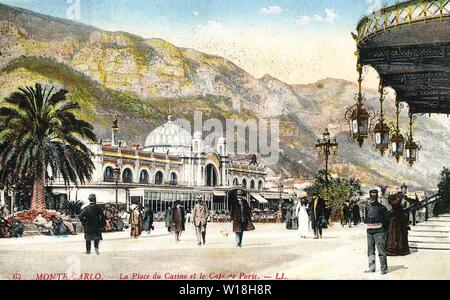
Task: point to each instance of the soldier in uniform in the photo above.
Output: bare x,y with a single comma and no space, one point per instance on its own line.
93,221
200,217
377,219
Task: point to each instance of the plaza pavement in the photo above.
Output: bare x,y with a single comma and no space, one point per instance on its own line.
268,250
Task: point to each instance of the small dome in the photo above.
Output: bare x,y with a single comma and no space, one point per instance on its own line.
168,137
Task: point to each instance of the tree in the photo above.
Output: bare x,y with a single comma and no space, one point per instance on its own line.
39,131
334,190
443,206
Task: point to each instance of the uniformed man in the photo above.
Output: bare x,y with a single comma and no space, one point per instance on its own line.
377,220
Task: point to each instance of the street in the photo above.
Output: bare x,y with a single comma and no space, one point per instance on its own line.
269,252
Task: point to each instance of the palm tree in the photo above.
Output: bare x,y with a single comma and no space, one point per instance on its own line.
38,131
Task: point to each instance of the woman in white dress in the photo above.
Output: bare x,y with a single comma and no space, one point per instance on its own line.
303,218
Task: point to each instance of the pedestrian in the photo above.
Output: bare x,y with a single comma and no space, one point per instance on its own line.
178,220
93,221
377,224
148,219
303,218
356,216
316,213
136,221
288,217
397,234
168,218
241,216
200,215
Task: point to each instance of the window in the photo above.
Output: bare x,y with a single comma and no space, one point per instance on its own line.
173,179
127,176
108,175
252,184
159,178
260,185
143,177
244,183
235,182
211,175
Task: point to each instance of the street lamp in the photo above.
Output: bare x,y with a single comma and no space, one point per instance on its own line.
358,116
280,191
326,148
381,130
411,147
397,139
116,173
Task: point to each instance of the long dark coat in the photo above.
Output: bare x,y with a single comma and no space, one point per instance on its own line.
397,236
148,219
317,213
93,221
235,214
178,219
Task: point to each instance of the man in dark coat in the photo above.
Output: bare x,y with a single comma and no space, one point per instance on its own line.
316,214
377,220
93,221
148,218
356,215
241,216
178,220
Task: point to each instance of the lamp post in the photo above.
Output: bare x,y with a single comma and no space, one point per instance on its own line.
116,180
326,147
280,191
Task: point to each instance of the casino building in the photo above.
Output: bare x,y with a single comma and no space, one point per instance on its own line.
172,165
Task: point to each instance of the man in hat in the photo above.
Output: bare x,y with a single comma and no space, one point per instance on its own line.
317,214
241,216
200,217
377,220
93,221
178,220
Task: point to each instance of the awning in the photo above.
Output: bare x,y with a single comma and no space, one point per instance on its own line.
259,198
219,193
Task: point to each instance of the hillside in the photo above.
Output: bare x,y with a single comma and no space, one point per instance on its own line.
116,74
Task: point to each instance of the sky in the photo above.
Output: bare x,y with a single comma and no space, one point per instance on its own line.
297,41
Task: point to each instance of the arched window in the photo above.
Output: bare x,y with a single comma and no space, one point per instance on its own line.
252,184
108,175
244,183
159,177
211,175
235,182
127,176
143,177
173,179
260,185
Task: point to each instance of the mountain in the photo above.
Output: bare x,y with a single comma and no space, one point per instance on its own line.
116,74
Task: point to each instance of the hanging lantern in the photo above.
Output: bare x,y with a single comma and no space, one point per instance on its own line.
411,147
381,129
397,139
358,116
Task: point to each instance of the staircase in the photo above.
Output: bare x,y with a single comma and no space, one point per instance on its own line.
433,234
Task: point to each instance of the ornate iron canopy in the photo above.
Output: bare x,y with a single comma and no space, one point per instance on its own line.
409,46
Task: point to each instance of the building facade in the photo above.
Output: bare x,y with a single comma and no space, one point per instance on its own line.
172,165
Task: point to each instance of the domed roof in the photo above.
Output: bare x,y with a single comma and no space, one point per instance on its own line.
168,137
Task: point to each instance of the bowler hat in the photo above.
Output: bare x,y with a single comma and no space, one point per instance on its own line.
92,198
373,192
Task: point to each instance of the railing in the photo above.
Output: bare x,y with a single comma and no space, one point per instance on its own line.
402,14
421,210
